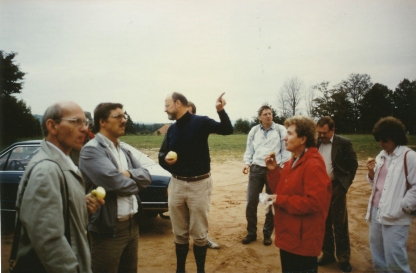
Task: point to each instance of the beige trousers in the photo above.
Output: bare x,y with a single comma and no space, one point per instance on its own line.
189,209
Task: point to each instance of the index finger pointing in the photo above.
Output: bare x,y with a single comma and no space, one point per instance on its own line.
220,97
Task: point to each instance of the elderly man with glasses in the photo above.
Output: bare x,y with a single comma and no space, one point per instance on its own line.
341,165
53,208
114,228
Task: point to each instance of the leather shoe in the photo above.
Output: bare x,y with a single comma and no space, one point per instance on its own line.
267,241
324,260
345,267
248,239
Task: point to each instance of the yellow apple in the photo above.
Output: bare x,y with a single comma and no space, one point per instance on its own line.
98,193
172,155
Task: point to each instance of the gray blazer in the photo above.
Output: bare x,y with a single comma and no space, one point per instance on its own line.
41,214
344,161
100,168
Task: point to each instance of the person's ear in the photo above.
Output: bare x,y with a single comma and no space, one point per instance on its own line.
51,126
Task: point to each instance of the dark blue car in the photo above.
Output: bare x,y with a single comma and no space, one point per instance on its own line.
14,159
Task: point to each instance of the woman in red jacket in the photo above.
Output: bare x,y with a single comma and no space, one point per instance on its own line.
301,200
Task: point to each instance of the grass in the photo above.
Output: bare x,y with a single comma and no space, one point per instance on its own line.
223,148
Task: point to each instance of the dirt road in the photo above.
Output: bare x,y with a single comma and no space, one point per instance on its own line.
228,227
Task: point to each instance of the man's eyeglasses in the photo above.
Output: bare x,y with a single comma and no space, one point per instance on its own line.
322,133
120,117
77,121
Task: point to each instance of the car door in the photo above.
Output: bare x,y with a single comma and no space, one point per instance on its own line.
13,163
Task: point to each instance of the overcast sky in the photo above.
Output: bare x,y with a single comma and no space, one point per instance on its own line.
136,52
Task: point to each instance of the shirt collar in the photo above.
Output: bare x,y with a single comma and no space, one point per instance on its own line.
271,127
65,157
108,142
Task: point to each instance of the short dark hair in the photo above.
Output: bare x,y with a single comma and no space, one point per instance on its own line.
390,128
102,111
262,108
192,105
328,121
304,127
178,96
52,112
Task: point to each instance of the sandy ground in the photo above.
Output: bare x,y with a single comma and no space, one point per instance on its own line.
228,227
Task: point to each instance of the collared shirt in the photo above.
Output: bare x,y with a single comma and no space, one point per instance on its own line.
325,150
126,205
261,142
67,157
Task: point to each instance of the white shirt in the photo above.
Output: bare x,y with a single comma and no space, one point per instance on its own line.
325,150
126,205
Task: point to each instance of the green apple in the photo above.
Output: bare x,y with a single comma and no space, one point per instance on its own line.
98,193
172,155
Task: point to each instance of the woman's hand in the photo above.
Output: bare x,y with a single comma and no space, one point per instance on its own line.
270,161
371,163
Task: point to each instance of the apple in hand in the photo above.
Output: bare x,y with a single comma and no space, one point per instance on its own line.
98,193
172,155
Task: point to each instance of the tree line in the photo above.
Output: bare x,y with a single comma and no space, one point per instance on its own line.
355,104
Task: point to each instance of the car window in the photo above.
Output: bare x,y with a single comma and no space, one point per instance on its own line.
18,158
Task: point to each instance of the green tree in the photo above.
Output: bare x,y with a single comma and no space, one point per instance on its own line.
130,130
376,103
355,87
16,119
333,103
404,98
11,78
242,126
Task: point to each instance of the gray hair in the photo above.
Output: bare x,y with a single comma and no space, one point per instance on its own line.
53,112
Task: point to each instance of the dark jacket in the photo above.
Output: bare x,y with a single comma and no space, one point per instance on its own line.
188,137
100,168
344,161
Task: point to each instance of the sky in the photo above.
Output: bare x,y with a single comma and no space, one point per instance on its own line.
137,52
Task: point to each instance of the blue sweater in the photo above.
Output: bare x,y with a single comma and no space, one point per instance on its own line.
188,137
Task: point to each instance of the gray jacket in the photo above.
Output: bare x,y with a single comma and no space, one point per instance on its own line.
100,168
41,214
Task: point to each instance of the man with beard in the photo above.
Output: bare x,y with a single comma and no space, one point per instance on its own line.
191,184
114,228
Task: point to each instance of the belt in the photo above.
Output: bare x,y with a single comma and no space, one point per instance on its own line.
191,178
125,218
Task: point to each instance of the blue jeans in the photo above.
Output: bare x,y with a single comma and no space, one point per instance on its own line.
256,182
388,246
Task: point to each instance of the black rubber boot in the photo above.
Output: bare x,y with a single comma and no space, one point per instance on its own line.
181,253
200,253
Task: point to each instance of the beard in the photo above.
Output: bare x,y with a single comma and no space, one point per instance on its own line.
172,116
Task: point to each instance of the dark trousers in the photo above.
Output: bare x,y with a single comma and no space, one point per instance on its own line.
297,263
119,253
256,182
336,230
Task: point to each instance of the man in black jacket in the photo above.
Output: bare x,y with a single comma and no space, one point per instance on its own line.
341,165
191,184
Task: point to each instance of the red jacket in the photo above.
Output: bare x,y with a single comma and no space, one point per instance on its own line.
302,203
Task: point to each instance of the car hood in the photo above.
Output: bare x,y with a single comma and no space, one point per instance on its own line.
153,167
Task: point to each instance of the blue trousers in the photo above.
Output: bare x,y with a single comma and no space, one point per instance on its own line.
388,246
256,182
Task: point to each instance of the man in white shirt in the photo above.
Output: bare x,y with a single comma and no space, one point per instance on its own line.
114,228
262,139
